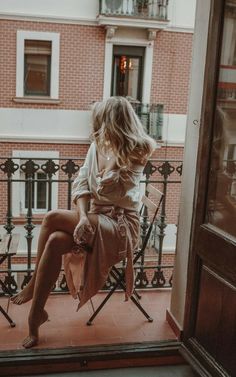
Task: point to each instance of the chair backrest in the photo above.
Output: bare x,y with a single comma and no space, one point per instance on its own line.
9,243
153,206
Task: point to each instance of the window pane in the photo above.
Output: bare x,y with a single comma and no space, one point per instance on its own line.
126,76
133,66
27,190
37,67
221,210
41,191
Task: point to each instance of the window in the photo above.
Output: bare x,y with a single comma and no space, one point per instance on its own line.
33,190
128,71
37,68
38,189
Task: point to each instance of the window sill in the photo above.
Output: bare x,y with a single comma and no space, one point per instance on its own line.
36,219
38,99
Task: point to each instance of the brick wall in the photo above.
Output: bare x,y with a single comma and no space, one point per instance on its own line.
171,69
82,66
81,63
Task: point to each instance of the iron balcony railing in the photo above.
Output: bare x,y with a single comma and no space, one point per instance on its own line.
150,9
151,116
50,177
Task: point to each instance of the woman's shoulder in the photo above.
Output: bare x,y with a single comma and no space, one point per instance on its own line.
92,149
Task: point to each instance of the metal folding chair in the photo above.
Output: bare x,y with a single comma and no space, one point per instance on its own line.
149,209
8,248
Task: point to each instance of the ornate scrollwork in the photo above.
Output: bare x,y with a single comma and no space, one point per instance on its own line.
70,168
179,169
158,279
29,167
166,169
50,168
10,283
63,284
149,169
25,280
141,280
9,167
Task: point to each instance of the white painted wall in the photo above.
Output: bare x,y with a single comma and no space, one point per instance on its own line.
189,166
174,128
83,9
69,126
181,12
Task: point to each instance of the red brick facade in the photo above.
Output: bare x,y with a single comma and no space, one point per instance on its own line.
171,70
82,66
81,76
81,63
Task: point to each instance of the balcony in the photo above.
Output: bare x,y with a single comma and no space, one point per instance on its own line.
136,13
151,116
153,280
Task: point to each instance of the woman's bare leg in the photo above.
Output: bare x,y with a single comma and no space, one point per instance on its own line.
64,220
48,270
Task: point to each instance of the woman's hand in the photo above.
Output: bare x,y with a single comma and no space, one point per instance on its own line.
82,226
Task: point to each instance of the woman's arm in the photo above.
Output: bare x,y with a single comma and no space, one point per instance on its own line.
82,206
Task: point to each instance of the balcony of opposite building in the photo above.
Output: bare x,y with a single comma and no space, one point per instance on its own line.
149,14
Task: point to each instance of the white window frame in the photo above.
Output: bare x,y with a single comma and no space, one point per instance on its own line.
147,71
18,208
54,38
23,209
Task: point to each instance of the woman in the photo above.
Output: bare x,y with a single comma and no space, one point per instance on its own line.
104,227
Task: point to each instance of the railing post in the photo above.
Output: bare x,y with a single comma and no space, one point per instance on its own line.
141,280
29,168
159,279
9,168
50,168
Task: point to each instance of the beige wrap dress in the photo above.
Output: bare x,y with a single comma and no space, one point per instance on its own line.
115,198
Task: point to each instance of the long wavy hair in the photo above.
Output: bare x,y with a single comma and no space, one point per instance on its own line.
116,127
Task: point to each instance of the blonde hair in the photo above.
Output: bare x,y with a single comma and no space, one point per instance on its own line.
117,127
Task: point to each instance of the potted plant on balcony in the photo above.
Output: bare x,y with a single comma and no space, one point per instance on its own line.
141,6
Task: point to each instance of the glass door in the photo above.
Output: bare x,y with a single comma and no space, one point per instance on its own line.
128,72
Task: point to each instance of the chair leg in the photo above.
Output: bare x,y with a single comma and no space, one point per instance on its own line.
12,324
119,281
4,312
120,276
91,302
89,323
150,319
136,302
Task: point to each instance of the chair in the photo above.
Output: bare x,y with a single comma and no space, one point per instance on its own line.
8,248
148,207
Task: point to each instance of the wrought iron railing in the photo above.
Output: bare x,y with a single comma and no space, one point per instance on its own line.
16,175
151,9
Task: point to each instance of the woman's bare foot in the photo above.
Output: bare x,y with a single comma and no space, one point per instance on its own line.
32,339
24,296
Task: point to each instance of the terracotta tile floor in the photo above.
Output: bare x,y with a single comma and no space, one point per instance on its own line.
119,322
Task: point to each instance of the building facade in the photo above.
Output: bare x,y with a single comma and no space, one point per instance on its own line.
58,57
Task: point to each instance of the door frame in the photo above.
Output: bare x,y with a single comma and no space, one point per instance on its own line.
137,52
190,348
